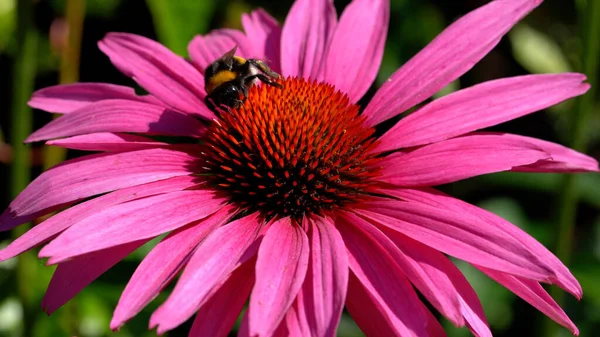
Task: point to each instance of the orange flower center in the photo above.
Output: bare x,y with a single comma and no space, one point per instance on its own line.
292,151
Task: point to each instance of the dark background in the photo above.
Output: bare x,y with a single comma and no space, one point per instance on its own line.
551,39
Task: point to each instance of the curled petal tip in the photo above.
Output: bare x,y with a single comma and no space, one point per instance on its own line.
53,258
44,253
31,139
46,309
581,77
585,86
31,103
115,325
577,293
153,322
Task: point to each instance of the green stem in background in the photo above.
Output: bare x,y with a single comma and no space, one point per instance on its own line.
69,66
580,128
69,63
569,198
23,84
69,73
24,70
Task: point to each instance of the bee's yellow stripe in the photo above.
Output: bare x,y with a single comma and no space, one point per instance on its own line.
239,60
219,78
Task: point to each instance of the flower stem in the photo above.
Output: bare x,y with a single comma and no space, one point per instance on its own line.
569,198
23,83
69,66
24,71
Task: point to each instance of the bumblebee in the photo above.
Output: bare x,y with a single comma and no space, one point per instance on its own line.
228,79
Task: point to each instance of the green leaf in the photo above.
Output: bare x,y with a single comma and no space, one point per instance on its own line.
537,52
177,22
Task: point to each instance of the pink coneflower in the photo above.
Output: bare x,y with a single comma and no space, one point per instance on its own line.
291,201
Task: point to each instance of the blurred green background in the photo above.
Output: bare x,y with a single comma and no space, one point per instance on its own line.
46,42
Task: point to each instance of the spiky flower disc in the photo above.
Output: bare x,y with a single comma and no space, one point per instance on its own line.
290,151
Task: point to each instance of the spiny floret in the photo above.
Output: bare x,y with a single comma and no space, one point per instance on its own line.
291,151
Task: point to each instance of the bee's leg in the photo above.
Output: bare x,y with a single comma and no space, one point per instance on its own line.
262,66
241,97
210,103
244,88
225,108
261,77
218,109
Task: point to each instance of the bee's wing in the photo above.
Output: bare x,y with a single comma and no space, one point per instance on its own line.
228,56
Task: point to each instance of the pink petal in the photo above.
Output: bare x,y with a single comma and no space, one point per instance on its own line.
106,141
447,57
165,75
356,48
561,274
212,263
204,50
243,331
264,33
136,220
72,276
371,316
162,264
480,106
218,315
438,279
558,166
324,290
462,235
65,219
66,98
433,274
368,313
87,176
280,270
295,323
120,116
563,159
459,158
434,328
383,280
534,294
305,38
281,331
